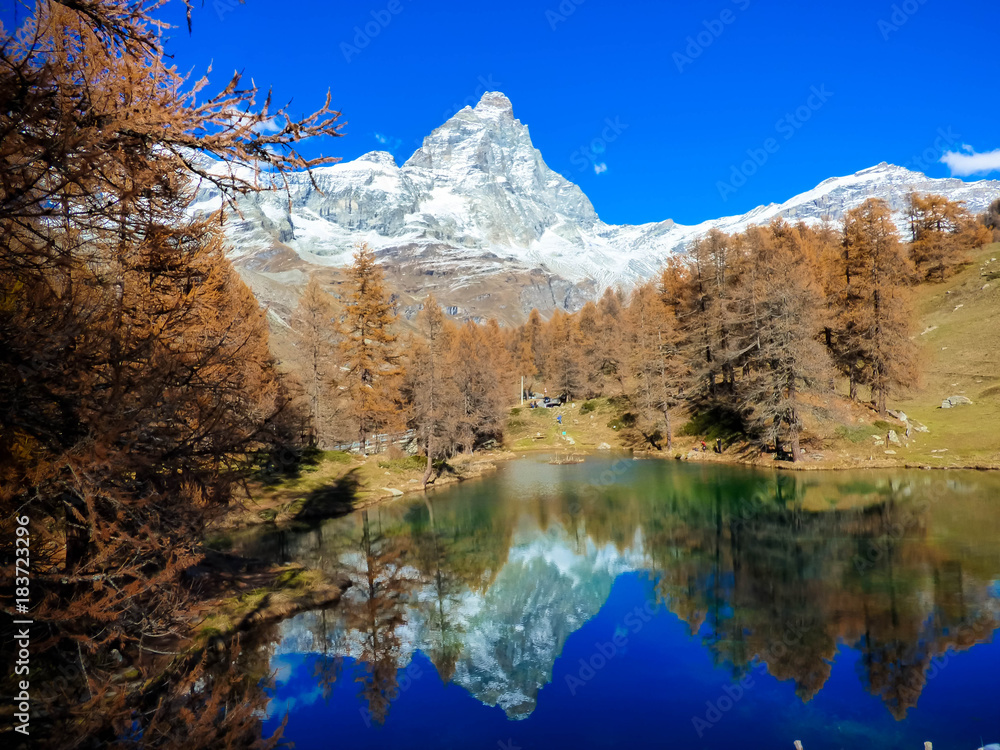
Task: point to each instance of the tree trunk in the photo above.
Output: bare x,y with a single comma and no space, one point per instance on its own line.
430,464
793,439
77,535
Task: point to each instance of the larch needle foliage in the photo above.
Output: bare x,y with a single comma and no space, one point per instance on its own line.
368,351
135,373
752,329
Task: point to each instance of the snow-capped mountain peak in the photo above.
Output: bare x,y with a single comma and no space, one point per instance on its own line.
476,216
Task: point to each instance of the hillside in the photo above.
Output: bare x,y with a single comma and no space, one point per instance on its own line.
959,334
959,341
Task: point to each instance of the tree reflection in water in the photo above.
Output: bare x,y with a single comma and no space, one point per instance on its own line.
776,571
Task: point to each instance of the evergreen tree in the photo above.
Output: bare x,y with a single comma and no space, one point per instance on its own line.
943,232
429,385
784,306
564,366
876,312
657,370
317,349
371,368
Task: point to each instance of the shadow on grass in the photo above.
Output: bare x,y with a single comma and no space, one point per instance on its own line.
285,463
331,500
442,467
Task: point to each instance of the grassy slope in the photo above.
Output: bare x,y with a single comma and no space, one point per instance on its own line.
338,482
958,331
961,356
537,429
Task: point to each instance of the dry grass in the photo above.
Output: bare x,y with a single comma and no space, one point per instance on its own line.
537,429
341,482
961,356
958,332
283,592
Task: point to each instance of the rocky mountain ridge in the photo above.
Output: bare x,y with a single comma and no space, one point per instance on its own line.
478,218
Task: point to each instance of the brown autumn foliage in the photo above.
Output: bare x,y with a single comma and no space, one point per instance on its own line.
745,327
429,387
368,351
317,339
875,308
135,376
943,232
780,294
655,371
991,220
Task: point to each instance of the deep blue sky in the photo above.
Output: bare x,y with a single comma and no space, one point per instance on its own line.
893,87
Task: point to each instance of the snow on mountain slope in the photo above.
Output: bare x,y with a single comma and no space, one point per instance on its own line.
507,638
477,203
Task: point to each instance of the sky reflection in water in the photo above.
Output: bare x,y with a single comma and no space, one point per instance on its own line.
626,603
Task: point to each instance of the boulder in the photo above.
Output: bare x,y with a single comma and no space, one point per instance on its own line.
959,400
946,404
893,439
604,447
900,415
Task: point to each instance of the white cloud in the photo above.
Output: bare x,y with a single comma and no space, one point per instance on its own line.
601,167
968,161
264,127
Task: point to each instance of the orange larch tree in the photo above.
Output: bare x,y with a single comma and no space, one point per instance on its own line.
370,360
876,309
317,340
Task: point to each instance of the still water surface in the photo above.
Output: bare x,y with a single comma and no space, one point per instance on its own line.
623,603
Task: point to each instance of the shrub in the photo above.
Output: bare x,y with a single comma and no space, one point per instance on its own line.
625,421
589,406
715,423
409,463
338,457
854,434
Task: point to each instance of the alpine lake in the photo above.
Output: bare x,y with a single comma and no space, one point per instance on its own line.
621,603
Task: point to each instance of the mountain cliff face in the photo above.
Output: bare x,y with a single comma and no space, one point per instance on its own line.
477,217
506,638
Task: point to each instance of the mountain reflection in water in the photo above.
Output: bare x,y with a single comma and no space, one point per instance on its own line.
692,602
